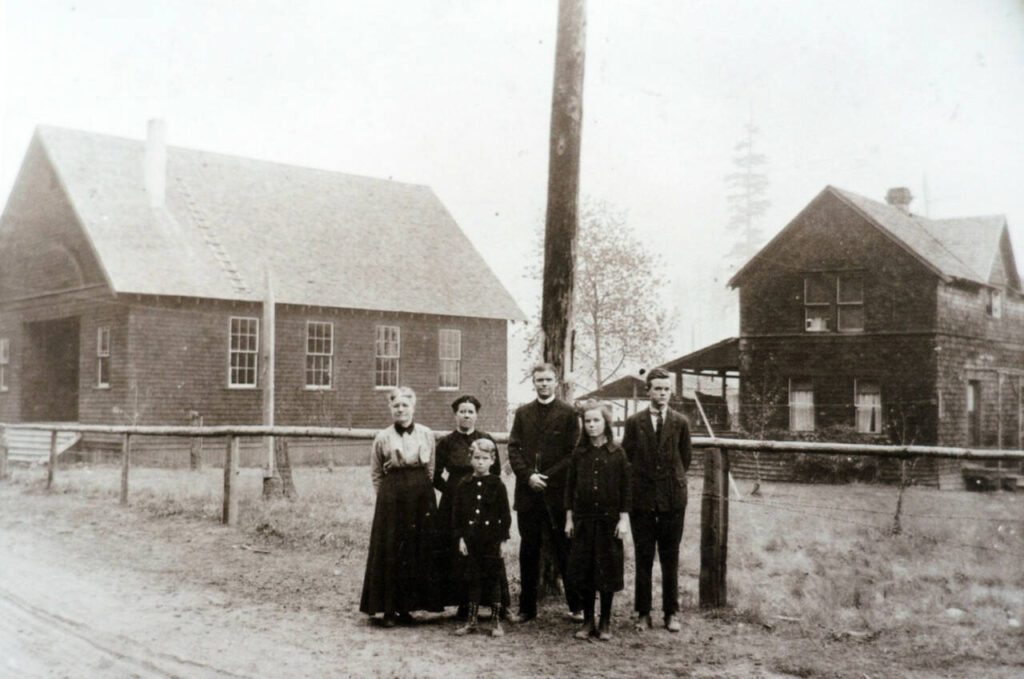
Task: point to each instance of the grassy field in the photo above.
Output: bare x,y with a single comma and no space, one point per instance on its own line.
818,583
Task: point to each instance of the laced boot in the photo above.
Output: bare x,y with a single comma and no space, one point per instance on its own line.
470,625
496,628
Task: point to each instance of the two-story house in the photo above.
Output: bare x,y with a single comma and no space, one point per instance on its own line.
864,315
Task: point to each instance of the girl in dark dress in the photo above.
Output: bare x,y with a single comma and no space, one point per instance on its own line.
453,465
402,567
597,499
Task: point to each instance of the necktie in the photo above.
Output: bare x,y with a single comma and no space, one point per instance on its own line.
658,421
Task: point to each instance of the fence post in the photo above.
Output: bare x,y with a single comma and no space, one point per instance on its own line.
230,516
126,463
3,453
195,453
714,528
53,460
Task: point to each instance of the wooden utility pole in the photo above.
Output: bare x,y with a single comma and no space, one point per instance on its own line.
270,484
563,189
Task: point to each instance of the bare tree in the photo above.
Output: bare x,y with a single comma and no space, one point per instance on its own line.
621,319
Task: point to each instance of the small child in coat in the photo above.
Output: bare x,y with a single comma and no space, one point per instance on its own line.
598,498
480,522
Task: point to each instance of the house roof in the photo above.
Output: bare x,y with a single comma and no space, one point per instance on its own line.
327,238
722,355
963,248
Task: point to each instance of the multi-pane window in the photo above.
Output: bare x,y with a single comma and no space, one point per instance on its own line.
319,352
450,354
801,405
243,352
834,301
5,361
103,357
850,301
817,303
387,353
868,406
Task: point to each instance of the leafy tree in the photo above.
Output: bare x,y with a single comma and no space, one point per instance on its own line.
620,318
747,197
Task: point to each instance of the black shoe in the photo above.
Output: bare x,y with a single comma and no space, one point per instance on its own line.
461,613
526,617
405,619
388,620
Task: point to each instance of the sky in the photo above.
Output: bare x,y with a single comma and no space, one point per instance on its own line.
866,95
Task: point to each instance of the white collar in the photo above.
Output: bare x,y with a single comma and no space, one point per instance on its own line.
544,402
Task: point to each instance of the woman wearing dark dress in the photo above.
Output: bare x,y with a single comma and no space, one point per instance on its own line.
403,565
453,465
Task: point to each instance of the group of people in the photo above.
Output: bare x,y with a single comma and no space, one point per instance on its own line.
573,483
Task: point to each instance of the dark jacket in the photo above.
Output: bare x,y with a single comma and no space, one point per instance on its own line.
542,440
598,483
658,466
480,513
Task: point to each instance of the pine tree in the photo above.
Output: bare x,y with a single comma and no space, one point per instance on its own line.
746,197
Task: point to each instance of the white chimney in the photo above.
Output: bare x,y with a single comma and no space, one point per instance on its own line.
156,162
899,198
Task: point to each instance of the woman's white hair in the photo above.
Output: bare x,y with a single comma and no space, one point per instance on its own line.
399,392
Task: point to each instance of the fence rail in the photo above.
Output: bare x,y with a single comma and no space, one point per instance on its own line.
714,500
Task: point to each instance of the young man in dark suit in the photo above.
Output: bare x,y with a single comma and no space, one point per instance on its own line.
657,443
540,446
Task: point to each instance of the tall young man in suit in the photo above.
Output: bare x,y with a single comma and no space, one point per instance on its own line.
540,446
657,443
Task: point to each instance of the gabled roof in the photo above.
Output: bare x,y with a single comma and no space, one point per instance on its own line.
329,239
965,248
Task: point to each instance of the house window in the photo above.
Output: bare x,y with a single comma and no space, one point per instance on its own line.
974,413
450,354
243,352
994,306
5,361
834,301
850,301
868,405
388,350
102,358
801,405
817,303
319,352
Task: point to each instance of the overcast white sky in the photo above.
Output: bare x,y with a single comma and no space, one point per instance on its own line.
456,94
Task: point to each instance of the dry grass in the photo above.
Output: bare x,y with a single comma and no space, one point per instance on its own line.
810,562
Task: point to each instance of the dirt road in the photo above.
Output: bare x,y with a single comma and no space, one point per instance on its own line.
89,590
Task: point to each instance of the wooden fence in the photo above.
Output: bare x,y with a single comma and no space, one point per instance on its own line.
714,500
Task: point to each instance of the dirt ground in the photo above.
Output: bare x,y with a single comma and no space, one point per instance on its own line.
92,589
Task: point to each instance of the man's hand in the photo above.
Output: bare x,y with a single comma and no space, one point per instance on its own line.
538,481
622,528
463,550
569,527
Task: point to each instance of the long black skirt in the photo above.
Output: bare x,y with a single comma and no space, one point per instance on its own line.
403,566
596,558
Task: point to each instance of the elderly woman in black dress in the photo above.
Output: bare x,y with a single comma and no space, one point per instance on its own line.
402,568
453,465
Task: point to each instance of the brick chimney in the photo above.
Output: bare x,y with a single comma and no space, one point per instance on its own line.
899,198
156,162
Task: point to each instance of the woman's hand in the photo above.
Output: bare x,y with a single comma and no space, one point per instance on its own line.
622,527
388,464
569,527
463,550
